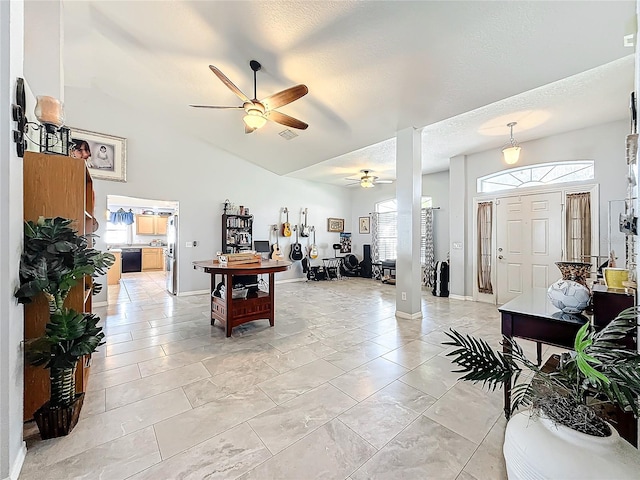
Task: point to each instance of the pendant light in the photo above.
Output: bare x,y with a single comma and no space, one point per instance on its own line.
511,152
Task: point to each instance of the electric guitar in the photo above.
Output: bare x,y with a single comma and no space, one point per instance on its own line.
313,251
276,254
304,228
296,249
286,226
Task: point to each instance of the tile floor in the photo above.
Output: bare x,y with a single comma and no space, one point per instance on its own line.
338,389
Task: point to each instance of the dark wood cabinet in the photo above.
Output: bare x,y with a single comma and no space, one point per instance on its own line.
609,302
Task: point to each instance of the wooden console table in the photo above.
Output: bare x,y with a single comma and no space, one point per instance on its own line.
232,312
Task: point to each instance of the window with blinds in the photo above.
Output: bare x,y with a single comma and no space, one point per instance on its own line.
388,231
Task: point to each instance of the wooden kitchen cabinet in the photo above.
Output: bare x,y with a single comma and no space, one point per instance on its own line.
152,259
151,224
56,186
161,224
115,271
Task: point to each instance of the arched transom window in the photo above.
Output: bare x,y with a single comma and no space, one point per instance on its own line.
536,175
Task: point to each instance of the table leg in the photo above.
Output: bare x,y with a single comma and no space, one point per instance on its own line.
213,288
272,288
539,352
506,350
228,285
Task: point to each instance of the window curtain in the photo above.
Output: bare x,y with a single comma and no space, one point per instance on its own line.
375,238
578,223
121,217
428,266
485,214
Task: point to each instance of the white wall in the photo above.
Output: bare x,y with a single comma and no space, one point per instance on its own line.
605,144
363,200
164,164
12,449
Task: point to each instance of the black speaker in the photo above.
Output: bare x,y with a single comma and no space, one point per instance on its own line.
366,270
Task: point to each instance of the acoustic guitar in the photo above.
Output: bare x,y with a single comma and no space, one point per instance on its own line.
313,251
296,249
305,230
286,226
276,254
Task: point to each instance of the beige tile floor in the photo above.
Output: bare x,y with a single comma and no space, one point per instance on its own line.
338,389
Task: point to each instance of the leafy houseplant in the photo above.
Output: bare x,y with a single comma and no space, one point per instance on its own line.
599,371
562,435
54,260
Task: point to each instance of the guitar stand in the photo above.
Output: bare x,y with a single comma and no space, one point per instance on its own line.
332,267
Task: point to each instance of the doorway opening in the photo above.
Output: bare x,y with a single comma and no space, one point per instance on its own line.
142,233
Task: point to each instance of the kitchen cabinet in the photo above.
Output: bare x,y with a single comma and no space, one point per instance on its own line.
115,271
237,233
56,186
151,224
152,259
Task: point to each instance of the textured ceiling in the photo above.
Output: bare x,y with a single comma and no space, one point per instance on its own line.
460,69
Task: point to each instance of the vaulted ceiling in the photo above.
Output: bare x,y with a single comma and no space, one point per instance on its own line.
460,69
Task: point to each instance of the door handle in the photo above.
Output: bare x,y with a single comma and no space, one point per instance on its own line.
500,257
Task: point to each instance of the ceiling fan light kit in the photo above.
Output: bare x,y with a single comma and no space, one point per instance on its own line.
511,152
257,112
366,182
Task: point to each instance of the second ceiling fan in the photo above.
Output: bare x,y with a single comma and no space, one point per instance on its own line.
257,112
368,181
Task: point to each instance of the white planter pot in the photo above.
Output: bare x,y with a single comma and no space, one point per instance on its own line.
536,448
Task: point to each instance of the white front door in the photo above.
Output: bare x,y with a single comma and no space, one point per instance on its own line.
529,242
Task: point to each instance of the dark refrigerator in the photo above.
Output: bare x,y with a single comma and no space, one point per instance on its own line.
171,258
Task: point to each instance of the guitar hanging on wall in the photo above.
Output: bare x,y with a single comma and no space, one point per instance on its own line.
313,251
276,254
296,249
286,226
305,230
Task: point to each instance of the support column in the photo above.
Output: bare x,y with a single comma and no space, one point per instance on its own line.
12,448
457,226
408,198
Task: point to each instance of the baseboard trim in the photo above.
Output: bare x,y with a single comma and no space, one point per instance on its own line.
192,292
408,316
291,280
461,297
17,465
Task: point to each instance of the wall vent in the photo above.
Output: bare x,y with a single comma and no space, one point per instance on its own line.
288,134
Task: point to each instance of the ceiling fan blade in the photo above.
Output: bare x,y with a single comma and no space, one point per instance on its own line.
284,97
383,181
285,120
229,84
214,106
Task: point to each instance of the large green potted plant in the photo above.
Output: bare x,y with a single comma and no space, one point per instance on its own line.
54,260
563,406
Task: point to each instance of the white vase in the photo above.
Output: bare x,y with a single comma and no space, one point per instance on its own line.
537,448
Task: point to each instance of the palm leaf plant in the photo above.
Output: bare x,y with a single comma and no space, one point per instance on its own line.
54,260
599,371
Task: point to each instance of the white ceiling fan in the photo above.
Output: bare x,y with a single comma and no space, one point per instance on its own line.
367,180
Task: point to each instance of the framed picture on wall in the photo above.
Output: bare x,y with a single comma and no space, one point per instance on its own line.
105,155
365,224
335,224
